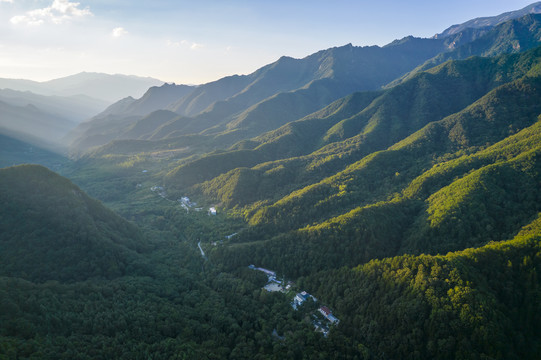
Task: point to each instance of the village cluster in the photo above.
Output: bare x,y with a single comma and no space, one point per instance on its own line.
184,201
274,284
160,190
187,204
321,324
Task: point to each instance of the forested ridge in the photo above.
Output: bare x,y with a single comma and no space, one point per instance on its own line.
413,211
474,304
51,230
343,137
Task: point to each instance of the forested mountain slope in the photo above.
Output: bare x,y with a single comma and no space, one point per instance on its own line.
459,203
512,36
413,212
51,230
339,135
375,207
471,304
77,281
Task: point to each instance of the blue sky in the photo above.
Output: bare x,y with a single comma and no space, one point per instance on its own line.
199,41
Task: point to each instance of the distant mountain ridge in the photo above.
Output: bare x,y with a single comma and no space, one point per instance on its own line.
155,98
30,120
109,88
238,107
512,36
75,108
490,21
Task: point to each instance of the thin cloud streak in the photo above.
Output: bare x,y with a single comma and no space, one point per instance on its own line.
184,43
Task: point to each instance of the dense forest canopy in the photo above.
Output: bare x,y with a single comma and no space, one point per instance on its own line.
406,202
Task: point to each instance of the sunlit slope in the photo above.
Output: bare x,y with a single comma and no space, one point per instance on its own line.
431,193
492,118
359,124
474,303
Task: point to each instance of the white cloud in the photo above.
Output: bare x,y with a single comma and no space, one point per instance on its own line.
170,43
8,1
184,43
118,32
28,20
58,12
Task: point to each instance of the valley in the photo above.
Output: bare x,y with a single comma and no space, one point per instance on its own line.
399,185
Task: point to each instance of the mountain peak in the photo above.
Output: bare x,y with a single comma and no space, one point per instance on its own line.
490,21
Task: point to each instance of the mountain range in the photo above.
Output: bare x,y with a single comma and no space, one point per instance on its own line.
239,108
399,185
340,183
104,87
43,113
490,21
236,107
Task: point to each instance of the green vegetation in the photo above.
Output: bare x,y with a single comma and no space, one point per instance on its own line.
47,220
367,122
458,203
512,36
473,304
413,212
80,282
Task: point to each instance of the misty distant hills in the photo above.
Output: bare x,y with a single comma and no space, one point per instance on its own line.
28,120
108,88
43,120
14,151
76,108
44,112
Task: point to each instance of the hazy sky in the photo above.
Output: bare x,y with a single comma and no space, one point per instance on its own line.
198,41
